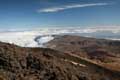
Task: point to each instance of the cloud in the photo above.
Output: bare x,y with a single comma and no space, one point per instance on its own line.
65,7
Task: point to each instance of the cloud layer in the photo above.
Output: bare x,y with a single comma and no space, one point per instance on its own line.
65,7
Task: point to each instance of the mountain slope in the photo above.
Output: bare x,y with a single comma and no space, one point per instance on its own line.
17,63
101,51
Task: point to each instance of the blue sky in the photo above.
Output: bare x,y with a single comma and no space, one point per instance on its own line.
62,13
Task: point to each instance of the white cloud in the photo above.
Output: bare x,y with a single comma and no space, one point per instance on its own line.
61,8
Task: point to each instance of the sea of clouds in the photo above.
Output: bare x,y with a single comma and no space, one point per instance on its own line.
38,37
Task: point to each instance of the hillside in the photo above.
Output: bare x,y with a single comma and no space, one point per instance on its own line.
100,51
17,63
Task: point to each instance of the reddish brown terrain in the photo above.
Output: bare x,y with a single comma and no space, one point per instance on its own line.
19,63
101,51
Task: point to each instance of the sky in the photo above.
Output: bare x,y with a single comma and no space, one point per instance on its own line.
20,14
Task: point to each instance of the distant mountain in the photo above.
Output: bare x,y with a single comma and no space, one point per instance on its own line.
101,51
19,63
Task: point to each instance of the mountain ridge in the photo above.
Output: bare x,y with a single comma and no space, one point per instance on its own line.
25,63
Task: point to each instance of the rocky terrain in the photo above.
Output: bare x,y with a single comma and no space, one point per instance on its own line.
20,63
101,51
